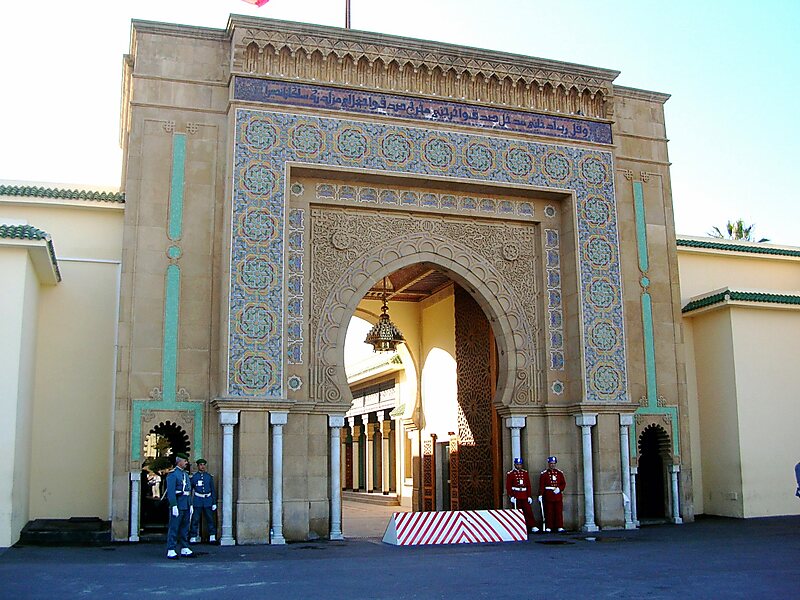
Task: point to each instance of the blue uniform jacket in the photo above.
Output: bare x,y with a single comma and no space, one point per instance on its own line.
179,489
203,488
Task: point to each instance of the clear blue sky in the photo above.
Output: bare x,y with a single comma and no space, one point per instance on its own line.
732,68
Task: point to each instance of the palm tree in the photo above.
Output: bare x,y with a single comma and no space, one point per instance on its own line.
737,230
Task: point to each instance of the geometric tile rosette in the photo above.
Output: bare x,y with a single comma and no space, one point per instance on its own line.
265,141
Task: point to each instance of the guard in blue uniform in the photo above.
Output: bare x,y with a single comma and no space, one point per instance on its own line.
179,490
204,501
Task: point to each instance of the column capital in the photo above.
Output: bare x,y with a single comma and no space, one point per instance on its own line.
381,415
351,421
515,422
136,475
335,420
586,420
228,417
674,468
278,418
626,420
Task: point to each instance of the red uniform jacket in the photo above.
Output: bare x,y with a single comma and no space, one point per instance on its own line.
518,484
549,479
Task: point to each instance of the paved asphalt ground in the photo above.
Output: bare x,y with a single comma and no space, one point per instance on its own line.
711,558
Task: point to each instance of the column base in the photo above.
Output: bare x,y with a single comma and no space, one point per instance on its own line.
227,542
133,538
277,540
677,520
590,528
630,526
337,537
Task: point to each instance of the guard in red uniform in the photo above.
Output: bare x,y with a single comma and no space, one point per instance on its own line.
551,487
518,488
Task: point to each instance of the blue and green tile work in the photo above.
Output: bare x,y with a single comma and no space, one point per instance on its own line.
265,141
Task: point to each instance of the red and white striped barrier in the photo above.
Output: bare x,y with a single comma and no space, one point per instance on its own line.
455,527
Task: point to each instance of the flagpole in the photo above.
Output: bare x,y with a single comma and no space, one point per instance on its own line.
347,14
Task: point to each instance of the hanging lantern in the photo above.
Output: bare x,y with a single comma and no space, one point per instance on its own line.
384,335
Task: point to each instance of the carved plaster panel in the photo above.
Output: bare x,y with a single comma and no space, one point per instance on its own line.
351,249
426,69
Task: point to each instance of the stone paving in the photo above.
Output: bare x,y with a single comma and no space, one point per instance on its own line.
711,558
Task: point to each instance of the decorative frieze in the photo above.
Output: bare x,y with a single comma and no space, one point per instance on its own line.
375,61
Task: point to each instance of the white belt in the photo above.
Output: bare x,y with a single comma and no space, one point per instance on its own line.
519,489
202,495
550,488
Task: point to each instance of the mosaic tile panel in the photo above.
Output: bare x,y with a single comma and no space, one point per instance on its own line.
265,141
555,325
445,202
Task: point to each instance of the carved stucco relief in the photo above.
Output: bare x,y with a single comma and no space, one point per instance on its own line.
351,249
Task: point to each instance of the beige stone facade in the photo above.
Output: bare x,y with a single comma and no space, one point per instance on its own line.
355,225
274,173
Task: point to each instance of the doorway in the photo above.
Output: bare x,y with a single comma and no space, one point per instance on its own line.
651,488
161,444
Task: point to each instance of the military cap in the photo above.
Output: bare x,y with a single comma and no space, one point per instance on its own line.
552,459
201,461
182,455
517,461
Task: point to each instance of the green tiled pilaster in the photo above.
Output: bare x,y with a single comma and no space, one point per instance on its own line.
172,298
651,381
176,186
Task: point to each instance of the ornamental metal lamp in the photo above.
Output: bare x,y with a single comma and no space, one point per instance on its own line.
384,335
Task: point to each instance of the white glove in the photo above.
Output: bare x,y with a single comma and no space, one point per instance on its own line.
514,502
174,511
557,490
214,507
540,498
530,500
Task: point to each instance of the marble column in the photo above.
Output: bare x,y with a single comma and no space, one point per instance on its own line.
136,503
634,515
676,499
356,455
625,421
586,422
343,456
515,424
277,420
228,419
386,429
336,423
369,453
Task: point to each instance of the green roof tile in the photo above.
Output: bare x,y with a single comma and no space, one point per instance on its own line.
29,232
741,296
41,192
737,247
23,232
